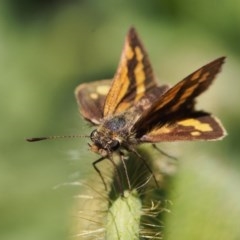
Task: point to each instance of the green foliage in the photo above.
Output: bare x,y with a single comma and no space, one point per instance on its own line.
48,52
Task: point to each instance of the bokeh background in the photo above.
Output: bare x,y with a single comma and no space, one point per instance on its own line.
49,47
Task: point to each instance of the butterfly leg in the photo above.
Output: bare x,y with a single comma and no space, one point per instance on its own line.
115,168
118,178
125,169
146,165
163,153
99,172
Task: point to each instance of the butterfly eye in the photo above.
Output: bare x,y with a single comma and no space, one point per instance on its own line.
114,144
93,135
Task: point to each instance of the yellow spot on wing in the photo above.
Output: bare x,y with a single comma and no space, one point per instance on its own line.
183,98
139,74
170,94
139,54
203,127
103,89
94,96
204,77
129,52
196,75
162,130
195,133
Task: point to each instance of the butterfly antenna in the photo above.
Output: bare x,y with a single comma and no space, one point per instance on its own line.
36,139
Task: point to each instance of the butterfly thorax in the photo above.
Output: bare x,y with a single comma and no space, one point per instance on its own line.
114,133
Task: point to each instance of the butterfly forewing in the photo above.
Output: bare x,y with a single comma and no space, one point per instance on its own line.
133,79
178,102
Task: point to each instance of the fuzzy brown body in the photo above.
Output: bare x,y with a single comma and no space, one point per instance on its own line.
119,128
114,134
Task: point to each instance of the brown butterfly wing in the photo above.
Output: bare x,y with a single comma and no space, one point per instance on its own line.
200,126
178,102
133,79
91,98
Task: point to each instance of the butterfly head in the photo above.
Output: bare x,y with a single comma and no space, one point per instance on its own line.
104,142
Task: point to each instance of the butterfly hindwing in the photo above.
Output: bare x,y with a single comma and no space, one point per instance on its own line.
201,127
133,79
91,98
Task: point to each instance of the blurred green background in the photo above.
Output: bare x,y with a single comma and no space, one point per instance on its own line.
48,47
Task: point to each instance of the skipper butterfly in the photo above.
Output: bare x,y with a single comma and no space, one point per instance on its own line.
132,108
